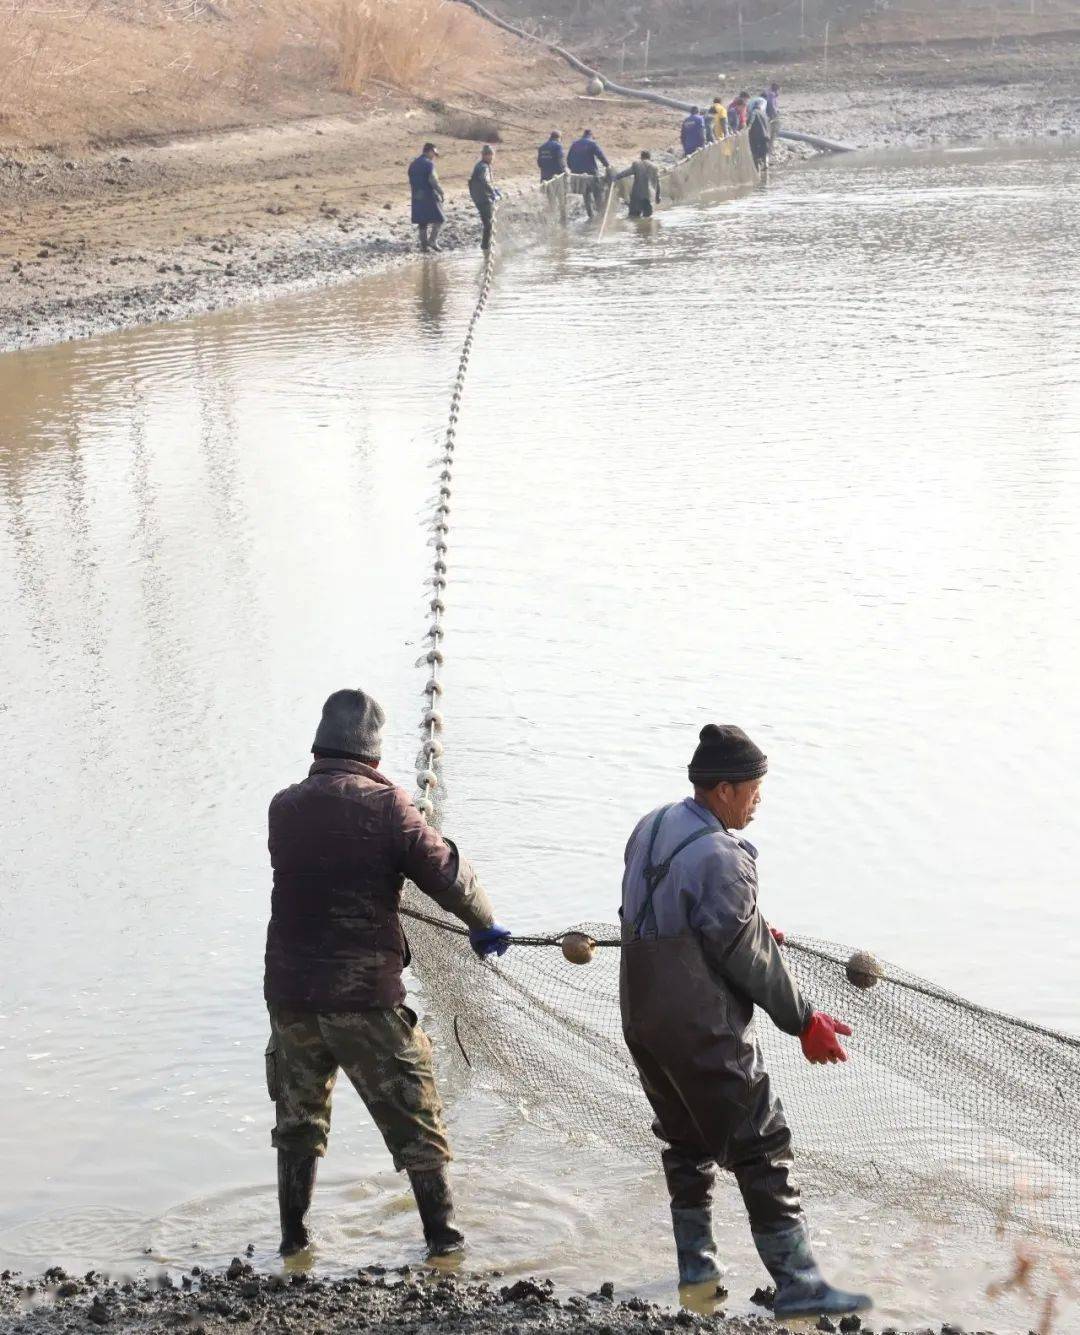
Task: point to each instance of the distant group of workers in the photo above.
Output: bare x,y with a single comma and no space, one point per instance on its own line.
759,115
585,157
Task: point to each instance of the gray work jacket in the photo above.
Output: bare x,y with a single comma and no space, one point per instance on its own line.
709,893
646,178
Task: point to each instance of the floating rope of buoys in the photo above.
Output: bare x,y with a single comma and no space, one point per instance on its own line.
428,765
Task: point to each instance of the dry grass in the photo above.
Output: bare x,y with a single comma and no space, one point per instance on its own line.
408,43
77,71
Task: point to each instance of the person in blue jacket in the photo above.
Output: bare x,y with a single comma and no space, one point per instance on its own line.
693,132
585,158
551,157
427,198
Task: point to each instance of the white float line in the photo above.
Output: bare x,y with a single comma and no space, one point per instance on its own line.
428,765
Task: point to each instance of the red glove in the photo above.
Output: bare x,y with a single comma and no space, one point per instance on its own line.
818,1039
777,935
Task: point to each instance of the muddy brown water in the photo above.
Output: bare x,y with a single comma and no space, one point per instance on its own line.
809,459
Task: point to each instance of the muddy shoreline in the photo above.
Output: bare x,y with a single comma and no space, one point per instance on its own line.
409,1299
118,237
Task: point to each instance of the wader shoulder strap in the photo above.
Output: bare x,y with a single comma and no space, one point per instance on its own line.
655,872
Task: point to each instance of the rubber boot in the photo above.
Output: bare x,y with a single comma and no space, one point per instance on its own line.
423,230
801,1290
695,1245
295,1185
433,239
436,1206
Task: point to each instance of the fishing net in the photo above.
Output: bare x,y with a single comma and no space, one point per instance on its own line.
718,168
724,166
945,1109
544,205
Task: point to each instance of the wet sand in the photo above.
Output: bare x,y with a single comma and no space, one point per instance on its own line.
157,230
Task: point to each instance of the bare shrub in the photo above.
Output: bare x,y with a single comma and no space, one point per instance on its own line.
469,125
1044,1278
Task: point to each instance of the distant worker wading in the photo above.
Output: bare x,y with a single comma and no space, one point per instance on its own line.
551,157
760,138
644,185
585,158
692,132
697,957
342,842
484,195
718,115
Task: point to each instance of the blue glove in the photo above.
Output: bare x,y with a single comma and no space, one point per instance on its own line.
493,940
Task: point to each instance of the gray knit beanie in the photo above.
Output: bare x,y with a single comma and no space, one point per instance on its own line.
350,727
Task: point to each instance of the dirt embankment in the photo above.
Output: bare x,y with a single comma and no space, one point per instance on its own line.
266,176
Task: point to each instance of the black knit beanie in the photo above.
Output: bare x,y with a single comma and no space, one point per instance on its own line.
725,753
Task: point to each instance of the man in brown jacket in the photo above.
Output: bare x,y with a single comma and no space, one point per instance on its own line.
342,843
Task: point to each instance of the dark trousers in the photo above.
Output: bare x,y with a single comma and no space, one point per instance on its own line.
640,208
759,144
487,216
719,1119
592,195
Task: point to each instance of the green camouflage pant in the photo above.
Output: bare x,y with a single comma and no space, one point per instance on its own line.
385,1054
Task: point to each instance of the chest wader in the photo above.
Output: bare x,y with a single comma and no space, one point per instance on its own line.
688,1033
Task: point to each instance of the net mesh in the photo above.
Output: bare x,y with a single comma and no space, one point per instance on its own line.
723,166
718,168
945,1109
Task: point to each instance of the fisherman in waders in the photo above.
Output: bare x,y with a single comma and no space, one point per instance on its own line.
551,157
692,132
585,158
760,142
484,195
342,842
697,958
644,183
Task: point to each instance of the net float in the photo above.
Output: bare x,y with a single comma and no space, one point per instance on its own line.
578,948
863,970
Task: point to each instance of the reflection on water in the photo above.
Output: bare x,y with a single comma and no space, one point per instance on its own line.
808,460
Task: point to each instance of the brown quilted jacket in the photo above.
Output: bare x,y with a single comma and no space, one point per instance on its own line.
342,843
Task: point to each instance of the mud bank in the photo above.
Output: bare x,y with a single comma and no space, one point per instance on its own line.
407,1299
127,235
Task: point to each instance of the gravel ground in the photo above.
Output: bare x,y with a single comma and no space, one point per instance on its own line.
409,1300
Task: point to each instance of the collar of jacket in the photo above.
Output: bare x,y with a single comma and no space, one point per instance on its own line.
707,816
332,765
